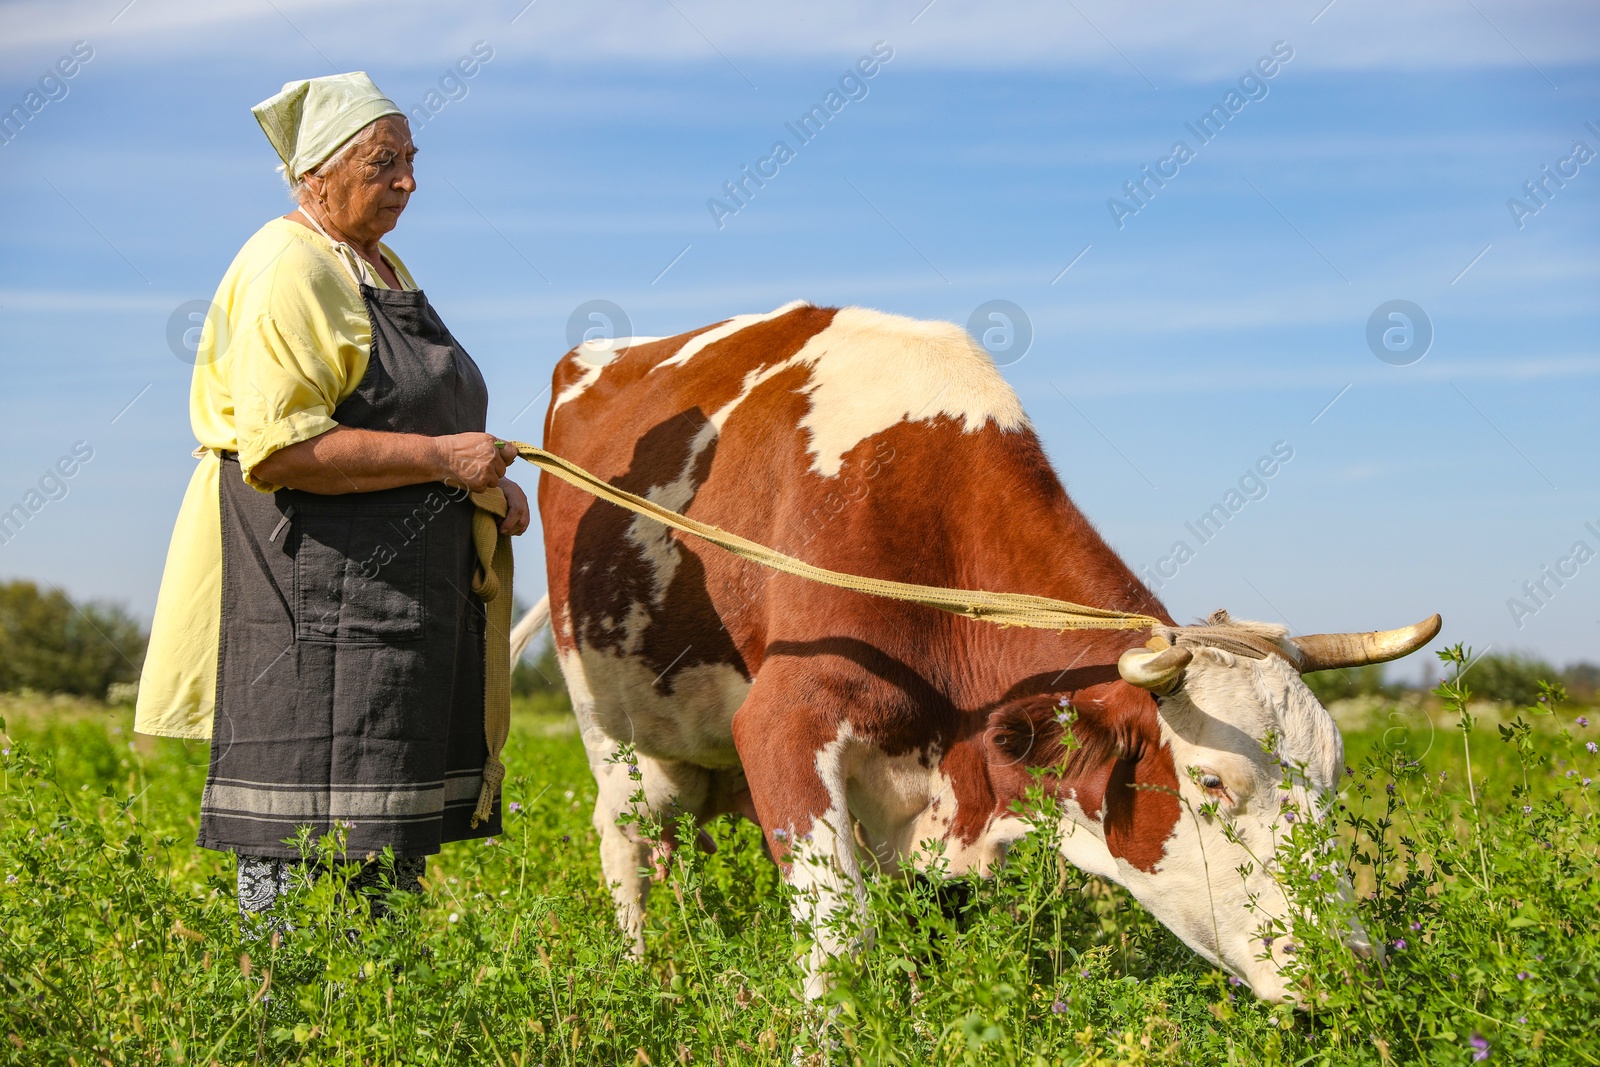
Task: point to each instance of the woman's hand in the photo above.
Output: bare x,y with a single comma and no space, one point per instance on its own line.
517,513
472,460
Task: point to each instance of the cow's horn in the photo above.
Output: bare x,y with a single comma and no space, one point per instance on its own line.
1158,672
1324,652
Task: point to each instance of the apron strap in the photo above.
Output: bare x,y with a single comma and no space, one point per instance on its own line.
361,271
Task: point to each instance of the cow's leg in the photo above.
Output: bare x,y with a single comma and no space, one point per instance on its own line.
667,787
796,761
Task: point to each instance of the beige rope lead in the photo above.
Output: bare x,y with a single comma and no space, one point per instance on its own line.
1007,609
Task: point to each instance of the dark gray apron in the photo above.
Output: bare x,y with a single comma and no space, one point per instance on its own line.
350,674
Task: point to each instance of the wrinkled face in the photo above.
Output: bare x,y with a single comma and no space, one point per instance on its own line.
1255,752
363,192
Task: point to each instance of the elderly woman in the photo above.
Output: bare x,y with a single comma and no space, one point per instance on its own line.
317,616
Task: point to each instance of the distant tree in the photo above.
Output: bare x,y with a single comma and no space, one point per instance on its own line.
1511,678
1582,681
1349,682
49,644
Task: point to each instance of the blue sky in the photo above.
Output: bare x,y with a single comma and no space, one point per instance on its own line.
1223,317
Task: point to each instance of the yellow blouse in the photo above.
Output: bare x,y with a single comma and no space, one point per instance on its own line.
288,342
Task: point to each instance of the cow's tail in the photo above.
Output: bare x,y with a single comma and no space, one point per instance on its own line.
537,618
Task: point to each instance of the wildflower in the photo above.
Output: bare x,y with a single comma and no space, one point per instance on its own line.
11,879
1399,944
5,751
490,841
1527,809
1267,941
515,807
634,772
781,834
1233,981
1059,1006
1523,976
1288,816
1416,925
1523,1019
1586,782
1064,702
1389,789
455,917
1349,771
565,838
1591,746
1288,948
1480,1048
1571,773
1316,876
1583,720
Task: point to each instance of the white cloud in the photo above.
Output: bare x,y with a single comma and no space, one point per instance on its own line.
1156,40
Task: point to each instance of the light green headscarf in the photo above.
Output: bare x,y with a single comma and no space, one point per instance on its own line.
310,119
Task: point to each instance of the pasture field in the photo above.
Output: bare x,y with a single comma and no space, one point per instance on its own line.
120,942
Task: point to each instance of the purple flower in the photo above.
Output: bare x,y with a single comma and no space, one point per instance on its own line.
515,807
1399,944
1523,976
1267,941
1288,816
1586,781
1480,1048
781,834
1416,925
1288,948
1316,876
1064,702
1234,981
490,841
565,838
1591,746
1583,720
1058,1007
1527,809
1523,1019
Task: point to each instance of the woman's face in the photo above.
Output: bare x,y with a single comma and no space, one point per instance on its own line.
363,194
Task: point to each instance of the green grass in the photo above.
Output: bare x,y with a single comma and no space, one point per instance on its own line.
119,940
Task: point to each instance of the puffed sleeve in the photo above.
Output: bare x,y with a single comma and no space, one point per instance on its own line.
294,361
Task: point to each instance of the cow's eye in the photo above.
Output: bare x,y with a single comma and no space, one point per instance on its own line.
1211,783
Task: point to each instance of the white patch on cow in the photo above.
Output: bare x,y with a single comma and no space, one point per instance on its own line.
630,703
658,548
700,342
905,807
614,702
871,371
1214,723
595,356
830,900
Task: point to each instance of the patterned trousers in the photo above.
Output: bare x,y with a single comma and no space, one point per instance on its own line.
263,880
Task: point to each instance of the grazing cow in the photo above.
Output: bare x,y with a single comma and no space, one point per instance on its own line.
850,726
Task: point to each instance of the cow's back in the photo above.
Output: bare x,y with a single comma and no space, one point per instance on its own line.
836,435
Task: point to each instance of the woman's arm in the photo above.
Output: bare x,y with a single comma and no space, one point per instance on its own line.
348,460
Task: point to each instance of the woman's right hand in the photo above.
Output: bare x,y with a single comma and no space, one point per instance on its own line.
472,460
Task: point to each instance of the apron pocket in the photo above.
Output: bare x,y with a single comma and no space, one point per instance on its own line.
358,579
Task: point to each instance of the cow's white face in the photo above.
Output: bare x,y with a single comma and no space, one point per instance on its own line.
1239,729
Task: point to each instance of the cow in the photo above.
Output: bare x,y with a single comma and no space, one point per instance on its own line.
865,732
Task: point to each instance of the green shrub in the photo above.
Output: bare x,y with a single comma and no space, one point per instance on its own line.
50,645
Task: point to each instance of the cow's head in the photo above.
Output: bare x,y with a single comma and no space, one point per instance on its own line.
1188,810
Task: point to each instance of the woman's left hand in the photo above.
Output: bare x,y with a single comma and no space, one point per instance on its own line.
517,514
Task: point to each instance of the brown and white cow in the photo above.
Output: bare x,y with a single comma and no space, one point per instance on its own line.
862,731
